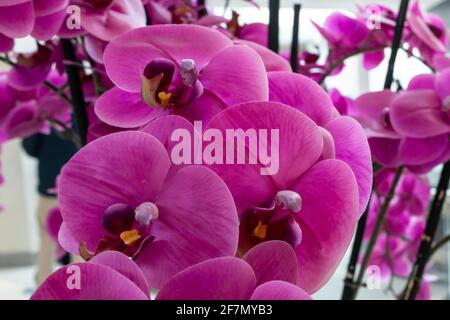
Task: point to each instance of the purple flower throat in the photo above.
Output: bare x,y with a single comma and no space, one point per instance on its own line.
163,88
127,229
276,221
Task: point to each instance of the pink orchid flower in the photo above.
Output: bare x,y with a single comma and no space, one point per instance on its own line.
156,74
165,220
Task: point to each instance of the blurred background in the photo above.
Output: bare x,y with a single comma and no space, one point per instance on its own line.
18,223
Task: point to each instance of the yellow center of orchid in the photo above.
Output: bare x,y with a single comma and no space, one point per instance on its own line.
260,230
164,97
130,237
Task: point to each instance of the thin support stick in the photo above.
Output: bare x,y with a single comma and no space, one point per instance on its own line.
295,38
76,90
415,280
396,42
274,12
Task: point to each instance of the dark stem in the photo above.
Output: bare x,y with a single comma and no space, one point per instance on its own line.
347,293
202,5
274,12
377,229
76,90
295,36
396,42
415,279
350,289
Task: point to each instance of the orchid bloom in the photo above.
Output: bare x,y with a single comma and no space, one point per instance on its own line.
289,205
156,74
411,199
166,220
106,19
33,110
429,33
100,21
267,272
38,18
32,69
346,36
110,275
378,111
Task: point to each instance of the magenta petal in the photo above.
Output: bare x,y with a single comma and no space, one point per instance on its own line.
97,282
231,85
46,7
385,151
46,27
372,60
23,121
370,109
118,18
6,43
196,212
273,260
352,148
422,81
17,21
124,167
420,28
442,85
123,109
163,128
301,93
279,290
300,145
225,278
67,240
420,151
124,265
7,3
7,101
127,55
272,61
330,211
255,32
417,114
26,78
53,223
94,48
204,108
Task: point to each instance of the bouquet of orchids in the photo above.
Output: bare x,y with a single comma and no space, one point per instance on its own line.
211,166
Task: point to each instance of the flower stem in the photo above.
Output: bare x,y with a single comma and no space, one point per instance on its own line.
425,249
76,90
378,225
295,34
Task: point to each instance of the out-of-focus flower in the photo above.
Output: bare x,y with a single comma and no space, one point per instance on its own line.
39,18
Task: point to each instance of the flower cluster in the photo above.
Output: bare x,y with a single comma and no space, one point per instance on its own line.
207,160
